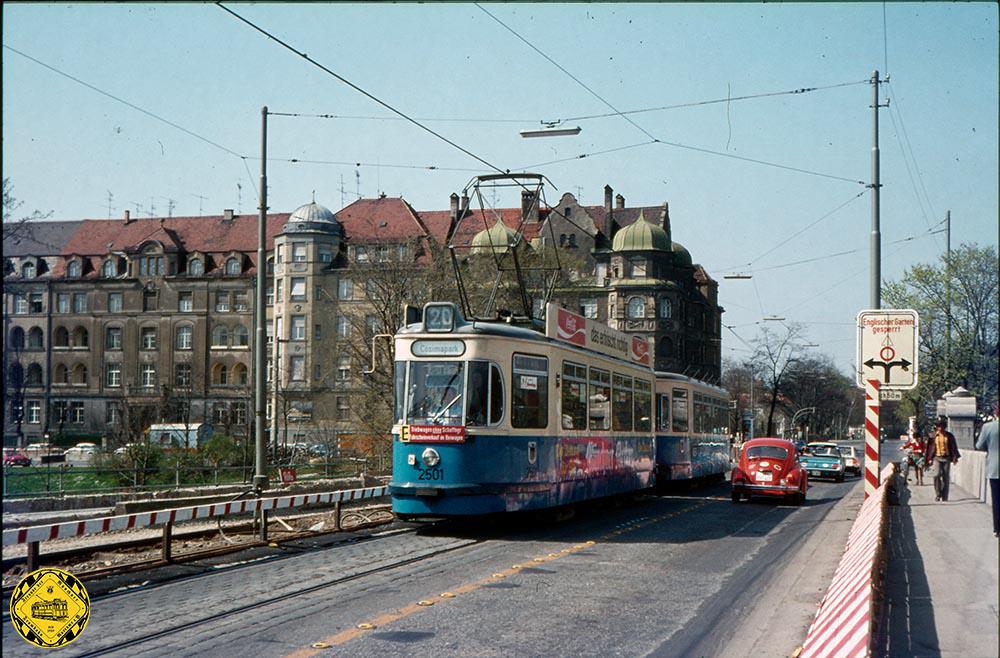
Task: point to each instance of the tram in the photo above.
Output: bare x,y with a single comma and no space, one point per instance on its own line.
492,417
692,430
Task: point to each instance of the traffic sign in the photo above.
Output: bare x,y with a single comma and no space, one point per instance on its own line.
887,348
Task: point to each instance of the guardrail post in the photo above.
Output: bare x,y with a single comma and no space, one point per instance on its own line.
336,516
215,474
32,556
263,524
62,471
177,474
165,549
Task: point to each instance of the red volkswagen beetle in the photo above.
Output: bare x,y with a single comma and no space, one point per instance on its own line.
769,467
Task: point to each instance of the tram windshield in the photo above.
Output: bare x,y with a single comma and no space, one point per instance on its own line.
435,392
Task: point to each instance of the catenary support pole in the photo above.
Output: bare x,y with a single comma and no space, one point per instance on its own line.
260,337
876,235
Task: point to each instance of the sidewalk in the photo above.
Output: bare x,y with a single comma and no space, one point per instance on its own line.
941,583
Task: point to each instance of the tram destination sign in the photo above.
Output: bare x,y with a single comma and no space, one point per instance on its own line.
575,329
888,348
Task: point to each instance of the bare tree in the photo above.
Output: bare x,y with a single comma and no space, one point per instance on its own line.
16,227
774,354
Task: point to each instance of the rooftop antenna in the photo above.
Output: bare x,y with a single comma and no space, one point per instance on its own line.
171,204
111,197
357,179
579,193
343,197
152,207
138,208
200,200
239,198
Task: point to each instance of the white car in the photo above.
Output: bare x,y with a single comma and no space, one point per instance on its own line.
81,453
852,462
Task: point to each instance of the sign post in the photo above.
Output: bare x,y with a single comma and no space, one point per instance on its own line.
887,365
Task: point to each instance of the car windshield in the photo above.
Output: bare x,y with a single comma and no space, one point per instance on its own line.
823,451
435,393
769,452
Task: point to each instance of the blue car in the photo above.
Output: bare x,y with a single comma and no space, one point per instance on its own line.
823,460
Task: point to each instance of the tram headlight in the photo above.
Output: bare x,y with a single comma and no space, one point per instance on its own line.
430,457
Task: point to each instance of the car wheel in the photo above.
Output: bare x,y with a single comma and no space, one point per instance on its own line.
840,477
736,497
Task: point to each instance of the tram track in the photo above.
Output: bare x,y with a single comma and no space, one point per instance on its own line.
280,598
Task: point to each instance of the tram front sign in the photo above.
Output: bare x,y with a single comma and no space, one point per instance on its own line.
888,348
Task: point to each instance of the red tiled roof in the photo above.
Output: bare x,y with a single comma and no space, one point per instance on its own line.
475,221
386,219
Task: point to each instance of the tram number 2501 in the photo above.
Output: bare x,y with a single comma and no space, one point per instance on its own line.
431,474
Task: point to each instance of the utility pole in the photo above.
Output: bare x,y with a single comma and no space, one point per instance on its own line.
876,236
947,297
260,344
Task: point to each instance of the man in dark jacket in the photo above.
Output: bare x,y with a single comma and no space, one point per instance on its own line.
942,452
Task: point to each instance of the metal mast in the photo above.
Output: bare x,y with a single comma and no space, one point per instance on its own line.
260,338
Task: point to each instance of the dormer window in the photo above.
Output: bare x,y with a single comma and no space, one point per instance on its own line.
28,270
74,269
196,267
233,266
110,269
151,263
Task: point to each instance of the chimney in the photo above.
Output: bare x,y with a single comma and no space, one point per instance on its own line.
454,206
128,216
227,215
607,198
529,206
665,220
464,208
619,201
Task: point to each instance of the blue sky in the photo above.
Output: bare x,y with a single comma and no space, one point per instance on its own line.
66,146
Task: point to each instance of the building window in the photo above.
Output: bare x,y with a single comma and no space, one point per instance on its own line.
113,375
110,269
297,368
588,308
241,336
666,309
222,302
343,326
317,332
280,289
73,269
76,413
636,308
36,340
28,271
298,252
35,302
185,302
20,303
345,289
184,337
113,338
240,377
220,336
147,375
62,303
344,368
116,302
233,266
240,303
220,375
325,253
112,413
81,339
298,289
343,408
298,327
195,267
17,338
572,241
147,339
34,377
371,324
182,375
79,375
33,412
270,266
239,412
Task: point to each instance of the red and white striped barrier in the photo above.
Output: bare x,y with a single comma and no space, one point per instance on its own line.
842,627
161,517
871,436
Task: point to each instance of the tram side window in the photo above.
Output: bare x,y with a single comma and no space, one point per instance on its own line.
643,406
621,406
700,415
599,394
680,410
530,394
662,412
574,397
496,394
399,388
478,398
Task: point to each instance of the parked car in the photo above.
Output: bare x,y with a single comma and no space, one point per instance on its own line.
851,461
40,453
769,467
81,453
824,460
14,457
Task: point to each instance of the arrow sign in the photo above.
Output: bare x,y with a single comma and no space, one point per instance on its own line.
888,348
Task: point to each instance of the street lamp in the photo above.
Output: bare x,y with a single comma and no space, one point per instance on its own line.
804,410
773,318
740,276
551,129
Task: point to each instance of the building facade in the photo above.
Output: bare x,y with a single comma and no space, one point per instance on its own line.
111,325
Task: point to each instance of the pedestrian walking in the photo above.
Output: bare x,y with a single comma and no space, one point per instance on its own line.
942,452
988,441
914,449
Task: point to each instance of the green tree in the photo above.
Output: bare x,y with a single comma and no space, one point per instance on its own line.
968,279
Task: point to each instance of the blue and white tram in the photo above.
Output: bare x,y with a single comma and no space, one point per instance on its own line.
496,418
692,430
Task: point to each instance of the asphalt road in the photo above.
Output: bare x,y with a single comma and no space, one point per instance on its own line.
675,575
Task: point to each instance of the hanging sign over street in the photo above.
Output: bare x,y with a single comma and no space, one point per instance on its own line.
887,348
